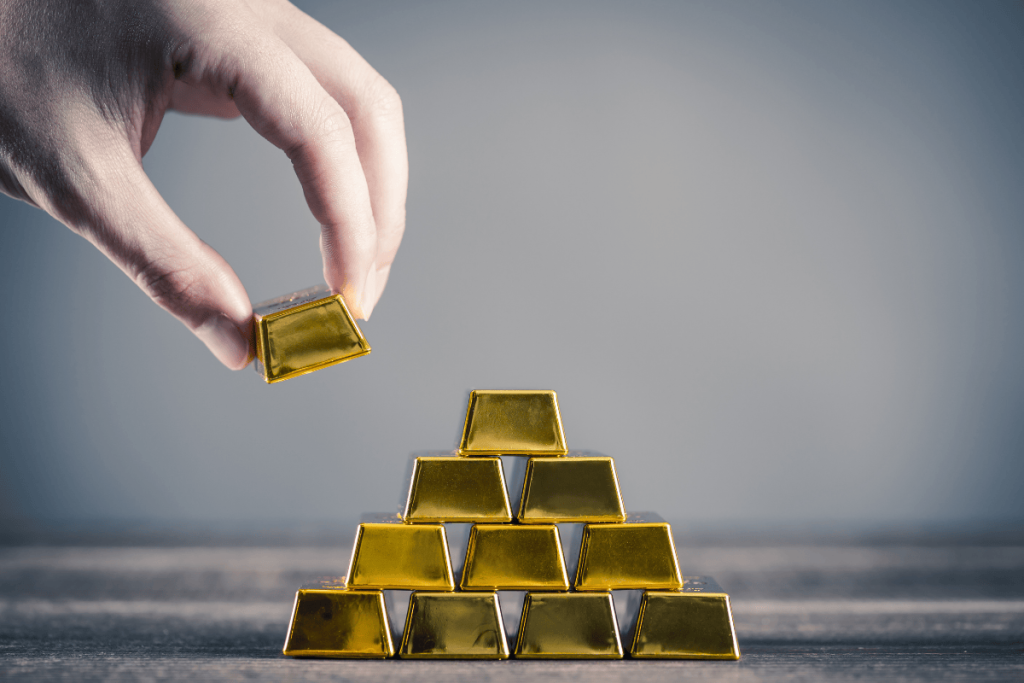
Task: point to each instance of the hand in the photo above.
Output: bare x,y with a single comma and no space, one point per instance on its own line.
84,87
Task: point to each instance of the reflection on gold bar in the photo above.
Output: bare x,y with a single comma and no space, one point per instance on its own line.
574,489
400,556
568,626
454,626
695,623
457,490
513,423
339,623
637,554
303,332
514,557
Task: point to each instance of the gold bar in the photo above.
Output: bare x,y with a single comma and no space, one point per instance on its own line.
457,490
637,554
513,423
579,488
339,623
454,626
514,557
303,332
391,555
568,626
694,623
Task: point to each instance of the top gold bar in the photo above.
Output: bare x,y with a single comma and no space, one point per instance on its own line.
303,332
512,422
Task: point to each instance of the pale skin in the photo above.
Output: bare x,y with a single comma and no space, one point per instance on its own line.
84,86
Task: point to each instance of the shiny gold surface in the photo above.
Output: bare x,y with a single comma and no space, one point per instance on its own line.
457,490
514,557
303,332
695,623
400,556
637,554
454,626
568,626
513,423
572,489
339,623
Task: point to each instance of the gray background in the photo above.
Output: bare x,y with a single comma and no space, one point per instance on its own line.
768,254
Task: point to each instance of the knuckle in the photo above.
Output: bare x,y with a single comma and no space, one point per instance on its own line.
228,23
381,101
323,125
173,285
332,124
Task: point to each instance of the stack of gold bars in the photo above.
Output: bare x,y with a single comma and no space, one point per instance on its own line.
458,616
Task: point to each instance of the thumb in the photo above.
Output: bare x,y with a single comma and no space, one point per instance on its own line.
131,223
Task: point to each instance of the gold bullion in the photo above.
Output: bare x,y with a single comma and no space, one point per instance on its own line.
339,623
513,423
568,626
400,556
514,557
694,623
454,626
303,332
639,554
457,490
574,489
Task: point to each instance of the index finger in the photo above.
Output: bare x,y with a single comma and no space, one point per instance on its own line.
282,100
375,110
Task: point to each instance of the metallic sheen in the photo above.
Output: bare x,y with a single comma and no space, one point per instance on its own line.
457,490
513,423
339,623
568,626
514,557
573,489
303,332
454,626
694,623
637,554
400,556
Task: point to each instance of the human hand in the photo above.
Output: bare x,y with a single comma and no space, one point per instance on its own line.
85,85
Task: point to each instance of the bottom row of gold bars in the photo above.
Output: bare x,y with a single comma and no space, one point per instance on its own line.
347,617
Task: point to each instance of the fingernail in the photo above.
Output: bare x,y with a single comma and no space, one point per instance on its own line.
226,341
382,280
369,293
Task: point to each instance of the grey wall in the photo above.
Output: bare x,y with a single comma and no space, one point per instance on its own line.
769,255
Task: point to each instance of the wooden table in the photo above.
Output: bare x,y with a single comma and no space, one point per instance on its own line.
125,603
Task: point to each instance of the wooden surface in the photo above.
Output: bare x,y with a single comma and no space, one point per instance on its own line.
193,605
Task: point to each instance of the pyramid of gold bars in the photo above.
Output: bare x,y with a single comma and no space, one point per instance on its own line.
458,616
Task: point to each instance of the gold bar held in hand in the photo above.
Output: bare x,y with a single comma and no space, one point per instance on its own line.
454,626
579,488
514,557
639,554
694,623
513,423
457,489
392,555
303,332
568,626
339,623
